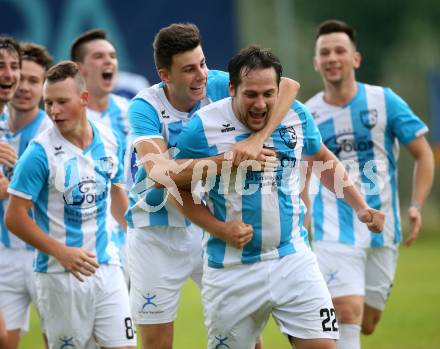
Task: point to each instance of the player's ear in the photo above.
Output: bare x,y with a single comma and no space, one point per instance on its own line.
81,69
357,60
232,90
315,64
84,97
164,75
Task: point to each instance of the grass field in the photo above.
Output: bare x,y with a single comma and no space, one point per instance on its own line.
409,322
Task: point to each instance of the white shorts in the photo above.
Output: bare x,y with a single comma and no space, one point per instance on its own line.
350,270
239,299
85,314
17,287
160,260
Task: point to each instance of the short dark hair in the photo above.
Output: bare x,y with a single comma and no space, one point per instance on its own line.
64,70
250,58
9,43
37,54
77,49
174,39
336,26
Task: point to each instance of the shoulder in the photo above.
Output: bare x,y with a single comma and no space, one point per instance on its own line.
316,100
105,134
149,94
47,136
120,101
218,108
217,75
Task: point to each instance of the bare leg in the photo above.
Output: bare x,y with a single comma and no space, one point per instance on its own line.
370,319
157,336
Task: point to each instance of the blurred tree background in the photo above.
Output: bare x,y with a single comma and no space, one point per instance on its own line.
398,40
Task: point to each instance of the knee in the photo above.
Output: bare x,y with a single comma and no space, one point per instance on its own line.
349,314
368,327
157,342
3,339
370,320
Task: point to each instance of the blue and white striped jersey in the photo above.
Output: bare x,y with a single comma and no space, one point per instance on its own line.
19,141
70,189
364,135
115,118
269,201
152,116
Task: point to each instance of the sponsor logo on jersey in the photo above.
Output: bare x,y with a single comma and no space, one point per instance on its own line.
348,143
227,128
66,342
221,342
86,193
58,150
164,114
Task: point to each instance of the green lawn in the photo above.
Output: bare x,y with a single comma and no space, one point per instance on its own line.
410,319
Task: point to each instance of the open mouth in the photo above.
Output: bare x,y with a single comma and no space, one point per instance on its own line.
257,115
107,75
6,86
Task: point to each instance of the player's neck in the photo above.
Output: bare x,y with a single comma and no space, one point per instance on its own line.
98,103
340,94
178,103
17,119
2,107
81,135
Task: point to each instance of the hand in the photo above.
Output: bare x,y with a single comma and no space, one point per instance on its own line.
4,184
8,156
415,221
248,149
374,219
78,261
237,233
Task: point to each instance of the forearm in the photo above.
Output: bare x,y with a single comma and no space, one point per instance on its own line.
182,172
119,205
27,230
199,214
423,178
335,178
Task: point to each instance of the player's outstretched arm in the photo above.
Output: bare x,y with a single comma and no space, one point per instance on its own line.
172,173
250,148
77,260
423,177
334,177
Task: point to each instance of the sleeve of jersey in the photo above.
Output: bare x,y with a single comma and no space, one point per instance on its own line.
30,173
218,85
192,142
405,125
144,121
312,137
